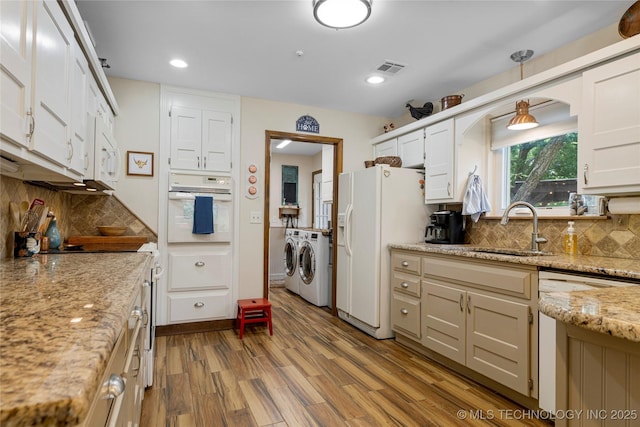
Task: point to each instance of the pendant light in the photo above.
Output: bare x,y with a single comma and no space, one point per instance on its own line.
341,14
522,120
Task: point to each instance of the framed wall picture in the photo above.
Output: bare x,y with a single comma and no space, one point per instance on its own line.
139,163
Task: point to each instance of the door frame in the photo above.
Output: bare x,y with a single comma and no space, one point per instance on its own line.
337,169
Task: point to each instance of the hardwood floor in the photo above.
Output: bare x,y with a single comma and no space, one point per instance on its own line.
316,370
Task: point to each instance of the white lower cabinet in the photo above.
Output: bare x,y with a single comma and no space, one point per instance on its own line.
199,284
476,313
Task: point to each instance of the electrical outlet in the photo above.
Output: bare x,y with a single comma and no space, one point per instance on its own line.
255,217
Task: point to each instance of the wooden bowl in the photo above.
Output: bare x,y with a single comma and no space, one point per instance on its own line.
111,230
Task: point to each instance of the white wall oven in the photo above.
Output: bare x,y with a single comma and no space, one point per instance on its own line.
183,190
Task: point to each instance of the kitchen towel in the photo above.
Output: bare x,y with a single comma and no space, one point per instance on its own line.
203,215
475,201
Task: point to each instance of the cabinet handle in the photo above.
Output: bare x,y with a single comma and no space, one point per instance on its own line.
136,354
198,304
146,284
198,157
584,173
145,318
404,311
199,264
461,302
205,161
32,124
469,304
69,150
449,188
113,387
405,264
405,285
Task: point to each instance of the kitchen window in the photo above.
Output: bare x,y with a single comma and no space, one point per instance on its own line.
539,165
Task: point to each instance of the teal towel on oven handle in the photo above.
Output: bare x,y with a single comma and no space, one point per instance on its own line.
203,215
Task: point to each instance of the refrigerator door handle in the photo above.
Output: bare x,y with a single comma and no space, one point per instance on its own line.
347,230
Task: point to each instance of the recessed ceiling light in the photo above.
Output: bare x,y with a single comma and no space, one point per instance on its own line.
178,63
283,143
375,80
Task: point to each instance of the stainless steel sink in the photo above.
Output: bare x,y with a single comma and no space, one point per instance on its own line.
514,252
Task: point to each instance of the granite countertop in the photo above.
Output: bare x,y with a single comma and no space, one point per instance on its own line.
604,266
60,316
614,311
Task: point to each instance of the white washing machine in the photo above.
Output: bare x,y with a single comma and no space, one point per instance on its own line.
291,243
312,265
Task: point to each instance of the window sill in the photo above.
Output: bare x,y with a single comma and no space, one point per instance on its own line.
548,217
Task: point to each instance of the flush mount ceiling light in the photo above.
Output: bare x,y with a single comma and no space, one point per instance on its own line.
375,80
522,120
341,14
178,63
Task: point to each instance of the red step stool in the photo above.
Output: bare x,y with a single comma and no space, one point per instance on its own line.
254,310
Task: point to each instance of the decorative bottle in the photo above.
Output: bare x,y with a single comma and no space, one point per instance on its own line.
53,234
571,240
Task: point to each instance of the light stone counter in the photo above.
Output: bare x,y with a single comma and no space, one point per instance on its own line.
60,316
614,311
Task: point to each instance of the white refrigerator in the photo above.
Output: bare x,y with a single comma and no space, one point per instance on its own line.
376,206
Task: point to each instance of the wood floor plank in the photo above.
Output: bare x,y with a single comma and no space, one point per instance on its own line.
262,407
316,370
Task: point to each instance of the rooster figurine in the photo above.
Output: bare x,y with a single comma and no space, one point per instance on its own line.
420,112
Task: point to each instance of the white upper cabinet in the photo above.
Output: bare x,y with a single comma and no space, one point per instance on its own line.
52,89
439,162
609,129
16,33
327,173
200,140
411,149
386,148
79,120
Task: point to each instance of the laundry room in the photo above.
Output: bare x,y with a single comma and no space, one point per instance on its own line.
301,190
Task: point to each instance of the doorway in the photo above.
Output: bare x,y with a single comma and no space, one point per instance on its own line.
337,169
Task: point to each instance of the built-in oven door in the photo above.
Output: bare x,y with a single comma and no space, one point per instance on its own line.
180,218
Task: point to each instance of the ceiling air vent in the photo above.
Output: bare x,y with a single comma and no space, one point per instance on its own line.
390,68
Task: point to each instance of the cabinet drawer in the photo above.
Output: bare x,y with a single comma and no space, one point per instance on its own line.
406,283
498,278
405,315
192,307
203,270
405,262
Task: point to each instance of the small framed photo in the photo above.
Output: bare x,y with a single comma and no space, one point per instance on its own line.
139,163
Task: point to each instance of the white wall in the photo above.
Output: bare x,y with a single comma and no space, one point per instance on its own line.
539,63
305,168
137,128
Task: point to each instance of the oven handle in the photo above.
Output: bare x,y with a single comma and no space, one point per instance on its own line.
217,197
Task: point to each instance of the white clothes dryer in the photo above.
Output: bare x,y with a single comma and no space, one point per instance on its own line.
290,258
312,265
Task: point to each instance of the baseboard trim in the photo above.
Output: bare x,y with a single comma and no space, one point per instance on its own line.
194,327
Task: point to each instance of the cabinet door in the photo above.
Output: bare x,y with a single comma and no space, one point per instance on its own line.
498,335
411,149
216,141
52,104
79,130
439,162
609,128
15,73
443,314
387,148
186,138
327,173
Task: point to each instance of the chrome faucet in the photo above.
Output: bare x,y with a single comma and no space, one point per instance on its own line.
535,239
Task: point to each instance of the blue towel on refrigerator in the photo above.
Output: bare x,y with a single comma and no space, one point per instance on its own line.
203,215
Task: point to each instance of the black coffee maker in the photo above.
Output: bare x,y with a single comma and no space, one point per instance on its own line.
445,227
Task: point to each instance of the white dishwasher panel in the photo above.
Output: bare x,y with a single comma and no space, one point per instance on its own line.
197,270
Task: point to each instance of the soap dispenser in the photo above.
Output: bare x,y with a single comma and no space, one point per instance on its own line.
571,240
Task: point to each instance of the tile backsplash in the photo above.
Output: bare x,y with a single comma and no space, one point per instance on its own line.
77,215
617,236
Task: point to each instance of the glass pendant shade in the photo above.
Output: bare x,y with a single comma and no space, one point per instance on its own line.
522,120
341,13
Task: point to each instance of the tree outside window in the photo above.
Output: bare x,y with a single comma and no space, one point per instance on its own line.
544,172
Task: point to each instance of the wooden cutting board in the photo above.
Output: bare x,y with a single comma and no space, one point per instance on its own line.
107,243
